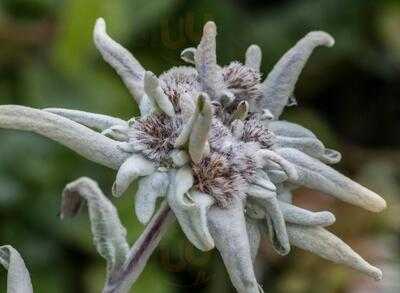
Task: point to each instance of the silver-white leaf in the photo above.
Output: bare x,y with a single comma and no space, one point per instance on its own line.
109,235
18,279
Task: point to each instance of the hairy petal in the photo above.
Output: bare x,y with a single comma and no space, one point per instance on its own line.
275,219
154,91
150,189
254,57
228,229
146,106
323,243
201,128
275,158
196,130
109,235
295,136
316,175
280,82
254,235
86,142
184,136
285,128
296,215
117,132
128,68
261,178
18,279
205,57
190,208
310,146
134,167
99,122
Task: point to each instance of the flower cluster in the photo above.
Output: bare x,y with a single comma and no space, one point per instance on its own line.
209,141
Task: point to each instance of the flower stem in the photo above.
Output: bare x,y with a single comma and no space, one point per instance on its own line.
122,280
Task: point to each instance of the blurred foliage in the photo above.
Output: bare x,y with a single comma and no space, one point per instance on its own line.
348,95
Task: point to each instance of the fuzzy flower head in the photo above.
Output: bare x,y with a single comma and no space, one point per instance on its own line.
209,141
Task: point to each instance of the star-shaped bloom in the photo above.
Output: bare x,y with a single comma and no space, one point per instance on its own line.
209,141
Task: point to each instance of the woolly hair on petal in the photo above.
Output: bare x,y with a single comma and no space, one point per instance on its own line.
209,142
229,231
205,58
128,68
254,235
150,188
191,209
109,235
201,127
316,175
274,217
154,91
323,243
18,279
84,141
99,122
254,57
296,215
280,82
133,168
295,136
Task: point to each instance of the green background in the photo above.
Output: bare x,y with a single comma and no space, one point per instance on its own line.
348,95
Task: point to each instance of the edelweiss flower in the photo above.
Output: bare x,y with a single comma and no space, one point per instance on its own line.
209,141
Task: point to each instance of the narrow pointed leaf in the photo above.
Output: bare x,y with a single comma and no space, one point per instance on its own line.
316,175
205,57
98,122
280,82
295,136
109,235
285,128
296,215
128,68
84,141
323,243
228,229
